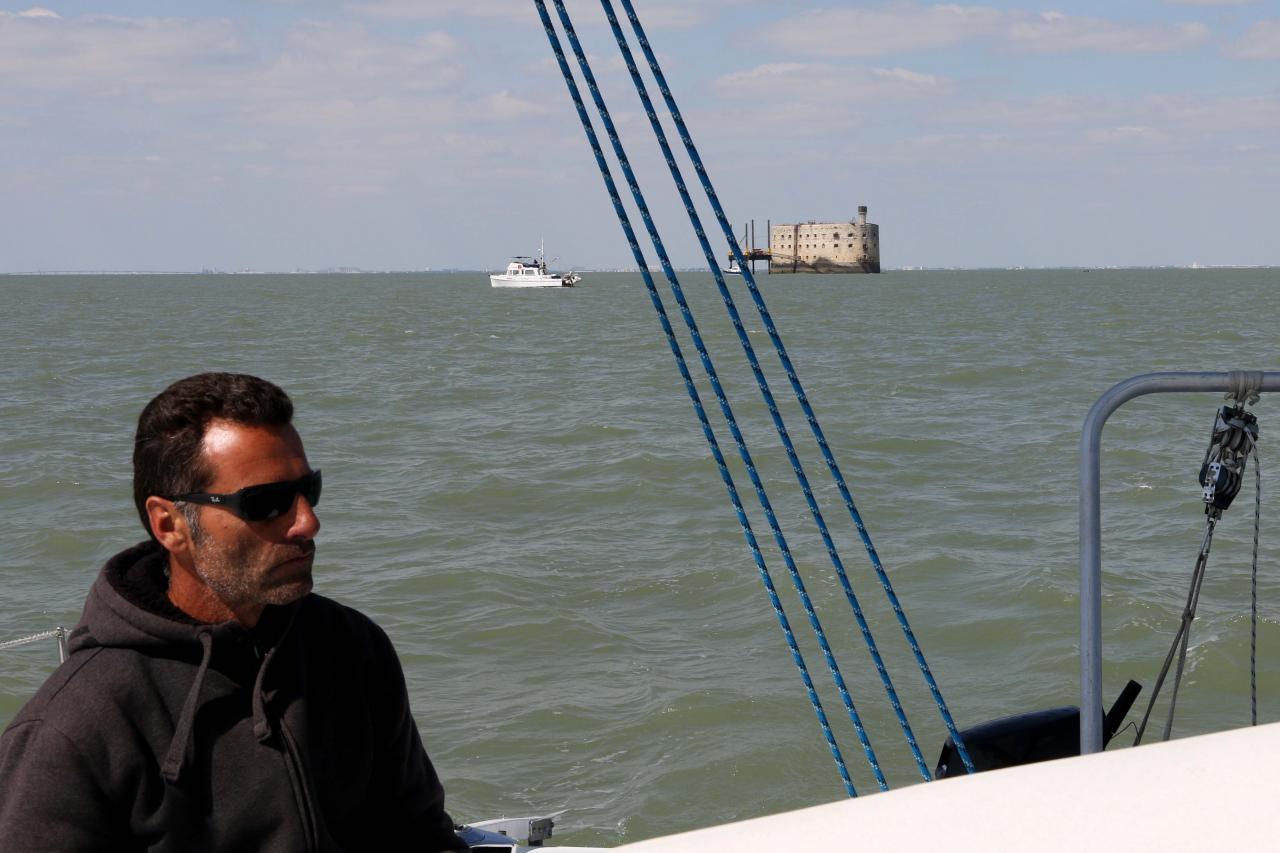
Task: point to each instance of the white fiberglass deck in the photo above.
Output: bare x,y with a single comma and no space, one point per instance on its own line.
1212,792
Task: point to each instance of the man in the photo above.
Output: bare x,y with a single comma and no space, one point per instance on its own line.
210,701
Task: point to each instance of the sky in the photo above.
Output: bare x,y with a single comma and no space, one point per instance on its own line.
429,134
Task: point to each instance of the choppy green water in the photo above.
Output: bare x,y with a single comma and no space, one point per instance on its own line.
516,488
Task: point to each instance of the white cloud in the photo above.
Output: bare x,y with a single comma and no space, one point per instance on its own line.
1052,32
1260,41
677,14
821,83
199,62
913,78
100,51
876,32
434,10
346,58
655,14
333,106
1128,135
799,98
386,119
1175,123
503,106
909,28
913,114
784,70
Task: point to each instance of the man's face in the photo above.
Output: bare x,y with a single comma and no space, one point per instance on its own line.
248,563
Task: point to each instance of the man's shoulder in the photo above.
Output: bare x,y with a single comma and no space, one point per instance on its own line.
88,691
338,621
319,607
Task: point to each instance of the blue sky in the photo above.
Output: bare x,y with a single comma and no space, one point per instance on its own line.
411,134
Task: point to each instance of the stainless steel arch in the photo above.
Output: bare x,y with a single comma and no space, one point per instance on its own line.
1090,520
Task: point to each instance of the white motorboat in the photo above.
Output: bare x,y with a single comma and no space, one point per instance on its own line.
532,272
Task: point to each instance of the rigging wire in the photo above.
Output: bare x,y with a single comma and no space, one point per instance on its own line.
1233,438
1253,590
669,271
620,153
815,428
752,544
763,384
1179,645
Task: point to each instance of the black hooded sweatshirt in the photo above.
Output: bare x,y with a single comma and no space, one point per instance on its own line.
161,733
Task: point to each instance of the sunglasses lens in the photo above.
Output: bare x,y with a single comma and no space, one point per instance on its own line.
263,503
310,487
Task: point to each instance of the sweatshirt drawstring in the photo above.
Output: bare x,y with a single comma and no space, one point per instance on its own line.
176,757
261,725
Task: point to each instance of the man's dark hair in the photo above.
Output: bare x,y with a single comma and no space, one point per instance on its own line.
167,457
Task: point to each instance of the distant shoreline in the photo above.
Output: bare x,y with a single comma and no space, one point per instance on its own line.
345,271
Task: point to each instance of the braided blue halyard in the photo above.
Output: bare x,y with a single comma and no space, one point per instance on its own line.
678,292
625,221
779,538
800,394
763,384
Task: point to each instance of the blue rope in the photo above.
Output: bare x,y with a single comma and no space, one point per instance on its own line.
669,271
752,544
789,369
763,384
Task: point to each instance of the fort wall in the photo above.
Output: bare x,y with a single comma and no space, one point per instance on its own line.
825,247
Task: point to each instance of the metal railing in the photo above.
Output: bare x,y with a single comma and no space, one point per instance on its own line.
1091,514
59,634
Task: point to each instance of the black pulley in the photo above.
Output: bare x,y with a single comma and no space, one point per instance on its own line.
1222,472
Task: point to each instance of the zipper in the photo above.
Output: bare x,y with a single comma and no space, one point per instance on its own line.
302,791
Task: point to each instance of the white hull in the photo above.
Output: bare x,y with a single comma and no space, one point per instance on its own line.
527,281
1213,792
532,272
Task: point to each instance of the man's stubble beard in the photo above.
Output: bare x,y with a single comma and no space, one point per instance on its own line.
230,570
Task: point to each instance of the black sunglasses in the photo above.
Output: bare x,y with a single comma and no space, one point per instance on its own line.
264,502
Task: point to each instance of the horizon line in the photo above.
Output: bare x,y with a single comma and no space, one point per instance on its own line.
630,270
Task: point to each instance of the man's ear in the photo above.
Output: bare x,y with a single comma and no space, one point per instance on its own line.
168,525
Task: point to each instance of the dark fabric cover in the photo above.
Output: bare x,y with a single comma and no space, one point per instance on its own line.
160,733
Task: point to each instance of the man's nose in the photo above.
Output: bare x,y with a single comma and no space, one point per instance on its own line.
305,524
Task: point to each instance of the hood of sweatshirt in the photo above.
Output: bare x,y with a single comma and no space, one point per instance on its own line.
128,607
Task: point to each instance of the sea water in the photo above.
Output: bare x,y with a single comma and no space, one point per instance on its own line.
518,490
